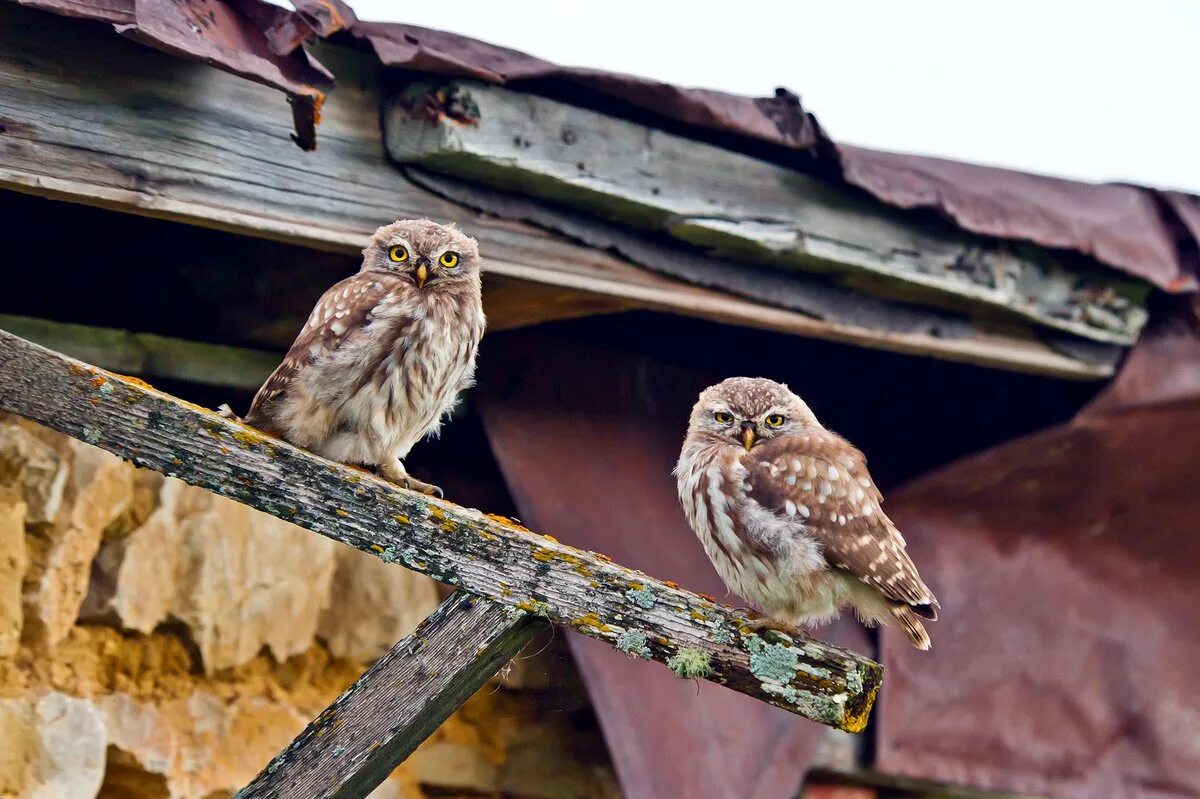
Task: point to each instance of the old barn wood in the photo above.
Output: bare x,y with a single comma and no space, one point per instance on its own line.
490,557
744,207
181,141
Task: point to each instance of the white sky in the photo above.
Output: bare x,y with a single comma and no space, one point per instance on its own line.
1091,89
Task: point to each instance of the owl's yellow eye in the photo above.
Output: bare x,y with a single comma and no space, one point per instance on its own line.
723,417
775,420
449,260
398,253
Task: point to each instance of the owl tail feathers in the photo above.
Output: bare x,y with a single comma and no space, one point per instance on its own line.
226,412
912,626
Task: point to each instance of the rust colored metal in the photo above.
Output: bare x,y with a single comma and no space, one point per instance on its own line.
1130,228
668,737
326,17
1135,229
1150,234
1066,562
779,119
118,12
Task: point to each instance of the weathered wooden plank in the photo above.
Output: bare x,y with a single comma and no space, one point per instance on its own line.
636,613
745,208
149,354
93,118
348,750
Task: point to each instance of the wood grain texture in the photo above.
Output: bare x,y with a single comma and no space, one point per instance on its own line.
491,557
741,207
164,138
348,750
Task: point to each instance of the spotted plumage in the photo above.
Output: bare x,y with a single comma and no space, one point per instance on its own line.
385,352
789,514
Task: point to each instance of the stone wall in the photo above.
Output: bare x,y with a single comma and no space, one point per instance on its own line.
160,641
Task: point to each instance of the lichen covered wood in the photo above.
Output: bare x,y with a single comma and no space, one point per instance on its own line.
459,546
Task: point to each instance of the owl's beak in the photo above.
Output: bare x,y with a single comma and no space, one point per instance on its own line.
748,436
422,274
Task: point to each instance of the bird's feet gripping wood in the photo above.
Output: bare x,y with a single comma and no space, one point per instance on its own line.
394,471
758,623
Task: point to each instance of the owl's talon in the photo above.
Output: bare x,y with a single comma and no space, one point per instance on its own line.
764,624
428,489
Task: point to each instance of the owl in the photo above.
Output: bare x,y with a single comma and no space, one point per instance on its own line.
789,515
384,354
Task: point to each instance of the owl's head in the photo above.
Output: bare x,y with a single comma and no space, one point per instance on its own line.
432,256
745,411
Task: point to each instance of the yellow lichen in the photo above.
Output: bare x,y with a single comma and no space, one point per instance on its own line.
590,620
856,721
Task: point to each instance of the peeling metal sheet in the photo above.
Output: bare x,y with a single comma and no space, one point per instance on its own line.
118,12
1153,235
1079,683
668,737
779,119
1124,226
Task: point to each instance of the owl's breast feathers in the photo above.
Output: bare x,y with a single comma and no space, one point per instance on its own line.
376,353
820,481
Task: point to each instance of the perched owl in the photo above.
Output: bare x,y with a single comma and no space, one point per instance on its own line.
789,515
384,354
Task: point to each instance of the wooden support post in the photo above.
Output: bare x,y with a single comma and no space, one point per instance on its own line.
348,750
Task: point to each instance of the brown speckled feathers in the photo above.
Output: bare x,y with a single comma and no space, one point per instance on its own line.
821,480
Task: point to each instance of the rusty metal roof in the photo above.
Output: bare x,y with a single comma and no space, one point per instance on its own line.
1150,234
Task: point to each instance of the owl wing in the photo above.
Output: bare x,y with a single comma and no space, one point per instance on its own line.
821,480
341,314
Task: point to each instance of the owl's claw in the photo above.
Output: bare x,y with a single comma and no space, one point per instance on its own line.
763,623
394,472
429,489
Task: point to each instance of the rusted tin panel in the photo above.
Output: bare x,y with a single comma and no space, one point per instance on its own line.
1124,226
1069,575
780,119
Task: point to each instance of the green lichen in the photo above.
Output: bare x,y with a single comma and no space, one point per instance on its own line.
722,634
785,692
690,663
633,642
642,597
773,663
854,681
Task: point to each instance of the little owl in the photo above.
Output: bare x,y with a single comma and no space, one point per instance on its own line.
789,515
384,354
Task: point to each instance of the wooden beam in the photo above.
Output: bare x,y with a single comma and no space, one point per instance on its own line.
638,614
741,207
149,355
356,742
94,118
